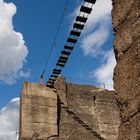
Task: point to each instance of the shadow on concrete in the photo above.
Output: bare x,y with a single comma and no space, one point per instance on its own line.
82,123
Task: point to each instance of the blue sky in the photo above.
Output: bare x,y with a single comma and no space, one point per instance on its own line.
27,30
37,22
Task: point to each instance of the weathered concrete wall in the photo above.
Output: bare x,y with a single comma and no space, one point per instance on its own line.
87,113
81,113
38,112
126,24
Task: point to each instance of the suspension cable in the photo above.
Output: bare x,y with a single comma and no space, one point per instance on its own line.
55,38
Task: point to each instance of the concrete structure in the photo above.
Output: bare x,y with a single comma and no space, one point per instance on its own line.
81,112
38,112
86,112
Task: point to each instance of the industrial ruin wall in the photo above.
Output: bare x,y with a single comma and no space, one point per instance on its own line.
38,112
86,112
80,113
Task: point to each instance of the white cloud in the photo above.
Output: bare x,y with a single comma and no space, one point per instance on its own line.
13,51
95,35
97,29
9,118
24,74
101,12
104,73
92,42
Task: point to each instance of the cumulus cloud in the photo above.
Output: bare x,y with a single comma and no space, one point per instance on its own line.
9,117
104,73
101,12
13,51
95,35
97,29
92,42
